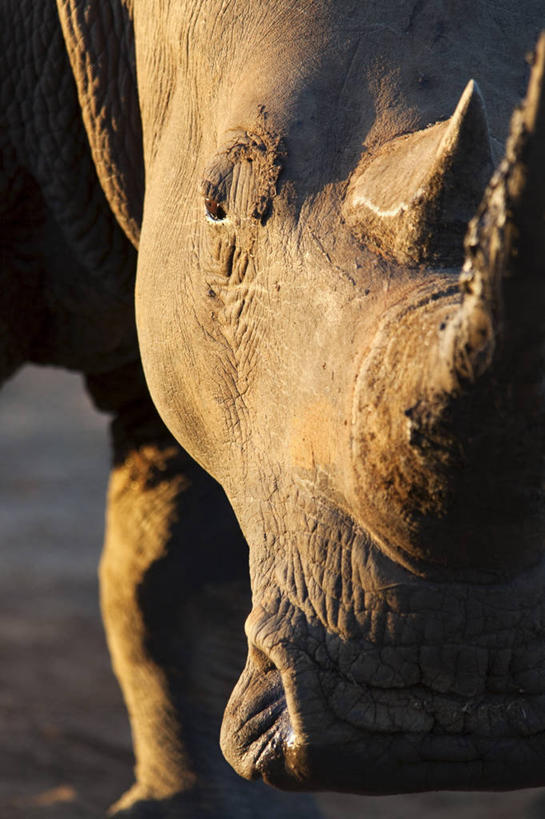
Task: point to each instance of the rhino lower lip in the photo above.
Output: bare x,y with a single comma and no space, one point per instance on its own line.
368,763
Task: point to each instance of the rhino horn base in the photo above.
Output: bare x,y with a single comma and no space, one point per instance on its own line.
414,197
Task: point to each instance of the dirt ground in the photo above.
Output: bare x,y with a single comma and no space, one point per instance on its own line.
64,740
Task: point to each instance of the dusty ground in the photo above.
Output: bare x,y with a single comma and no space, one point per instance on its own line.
64,741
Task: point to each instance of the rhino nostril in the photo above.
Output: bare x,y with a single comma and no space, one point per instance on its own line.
260,661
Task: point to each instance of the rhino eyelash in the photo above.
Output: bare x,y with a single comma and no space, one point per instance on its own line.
215,212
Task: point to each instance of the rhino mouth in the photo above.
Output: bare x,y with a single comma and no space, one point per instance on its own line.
257,727
360,761
429,706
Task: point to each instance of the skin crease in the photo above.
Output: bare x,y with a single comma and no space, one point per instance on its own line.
67,268
382,656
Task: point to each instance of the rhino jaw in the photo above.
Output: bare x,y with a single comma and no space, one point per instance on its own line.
407,686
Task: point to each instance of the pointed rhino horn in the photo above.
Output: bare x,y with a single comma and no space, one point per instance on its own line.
503,281
413,198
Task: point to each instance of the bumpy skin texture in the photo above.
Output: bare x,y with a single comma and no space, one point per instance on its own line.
65,259
382,451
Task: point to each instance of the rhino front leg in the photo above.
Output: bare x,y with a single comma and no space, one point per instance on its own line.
174,594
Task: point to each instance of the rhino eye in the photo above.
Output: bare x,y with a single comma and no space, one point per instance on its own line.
215,210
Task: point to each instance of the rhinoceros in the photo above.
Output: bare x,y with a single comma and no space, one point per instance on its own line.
340,231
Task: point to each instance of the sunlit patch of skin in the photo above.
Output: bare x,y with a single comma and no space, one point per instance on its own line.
291,739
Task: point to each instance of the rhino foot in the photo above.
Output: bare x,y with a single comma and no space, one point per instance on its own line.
134,804
257,800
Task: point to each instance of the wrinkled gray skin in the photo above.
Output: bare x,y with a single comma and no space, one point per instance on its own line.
377,430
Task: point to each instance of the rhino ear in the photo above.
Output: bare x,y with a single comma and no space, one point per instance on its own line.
413,198
100,44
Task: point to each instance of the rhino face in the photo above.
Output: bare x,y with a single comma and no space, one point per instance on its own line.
375,423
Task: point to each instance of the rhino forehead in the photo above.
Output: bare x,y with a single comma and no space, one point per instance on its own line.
207,69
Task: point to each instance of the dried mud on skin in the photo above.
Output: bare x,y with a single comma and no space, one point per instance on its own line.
65,748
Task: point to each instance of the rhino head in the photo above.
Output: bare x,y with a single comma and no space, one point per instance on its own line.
367,389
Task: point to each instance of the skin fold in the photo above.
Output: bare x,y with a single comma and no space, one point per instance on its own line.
327,360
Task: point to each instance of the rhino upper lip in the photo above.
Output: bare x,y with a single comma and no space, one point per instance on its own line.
260,718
